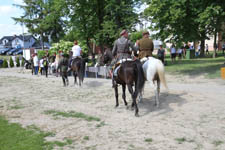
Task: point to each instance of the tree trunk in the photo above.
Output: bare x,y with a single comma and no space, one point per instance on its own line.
214,44
42,43
202,51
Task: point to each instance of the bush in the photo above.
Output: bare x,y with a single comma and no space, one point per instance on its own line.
5,64
11,63
22,63
41,53
17,62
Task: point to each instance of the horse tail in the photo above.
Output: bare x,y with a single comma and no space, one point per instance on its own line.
141,77
82,69
161,73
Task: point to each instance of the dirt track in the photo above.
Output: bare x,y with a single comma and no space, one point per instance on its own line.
191,114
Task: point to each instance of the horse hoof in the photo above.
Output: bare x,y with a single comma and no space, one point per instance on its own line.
116,106
127,107
136,115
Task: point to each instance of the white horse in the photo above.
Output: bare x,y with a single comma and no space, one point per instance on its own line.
154,73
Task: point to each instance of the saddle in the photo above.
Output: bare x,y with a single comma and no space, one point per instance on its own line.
118,65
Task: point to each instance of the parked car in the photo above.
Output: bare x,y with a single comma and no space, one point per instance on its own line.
13,50
1,62
18,52
5,50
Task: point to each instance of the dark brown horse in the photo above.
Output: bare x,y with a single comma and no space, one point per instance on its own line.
78,69
129,73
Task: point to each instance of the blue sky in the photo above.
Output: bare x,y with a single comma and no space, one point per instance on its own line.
7,24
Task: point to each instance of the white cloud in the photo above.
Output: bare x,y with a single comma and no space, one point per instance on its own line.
7,9
18,2
11,30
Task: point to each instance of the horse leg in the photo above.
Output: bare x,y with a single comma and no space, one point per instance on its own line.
157,90
130,89
124,94
134,97
116,95
63,78
141,95
75,77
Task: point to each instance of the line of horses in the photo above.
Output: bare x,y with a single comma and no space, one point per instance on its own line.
131,74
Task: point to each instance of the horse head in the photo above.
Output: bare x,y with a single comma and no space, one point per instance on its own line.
107,56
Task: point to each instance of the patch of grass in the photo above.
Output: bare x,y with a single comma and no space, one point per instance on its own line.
86,138
14,137
199,66
16,107
217,143
101,124
181,140
72,114
149,140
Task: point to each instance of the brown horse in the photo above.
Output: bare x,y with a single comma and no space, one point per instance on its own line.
78,69
129,73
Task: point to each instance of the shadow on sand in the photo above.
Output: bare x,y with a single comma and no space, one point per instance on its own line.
165,99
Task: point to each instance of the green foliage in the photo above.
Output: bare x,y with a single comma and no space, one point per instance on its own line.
72,114
43,18
185,20
17,62
22,62
64,46
5,64
41,53
136,36
11,63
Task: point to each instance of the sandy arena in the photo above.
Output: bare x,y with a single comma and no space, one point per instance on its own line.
191,114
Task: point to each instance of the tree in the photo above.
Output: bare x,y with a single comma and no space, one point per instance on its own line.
5,64
185,20
11,63
17,62
43,18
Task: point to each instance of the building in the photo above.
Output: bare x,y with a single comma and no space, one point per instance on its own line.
26,41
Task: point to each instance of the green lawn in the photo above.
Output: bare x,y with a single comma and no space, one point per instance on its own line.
14,137
210,67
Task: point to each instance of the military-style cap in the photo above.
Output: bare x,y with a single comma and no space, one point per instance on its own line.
145,32
123,32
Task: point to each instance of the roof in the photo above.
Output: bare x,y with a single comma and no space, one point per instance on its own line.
10,38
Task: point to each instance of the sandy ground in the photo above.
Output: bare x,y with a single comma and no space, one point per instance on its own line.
191,114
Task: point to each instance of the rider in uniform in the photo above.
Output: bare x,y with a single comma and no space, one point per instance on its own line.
63,66
145,45
121,50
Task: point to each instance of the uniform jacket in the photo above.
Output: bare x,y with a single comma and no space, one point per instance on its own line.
122,47
146,48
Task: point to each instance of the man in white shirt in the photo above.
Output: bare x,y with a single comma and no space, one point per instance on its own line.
76,49
35,60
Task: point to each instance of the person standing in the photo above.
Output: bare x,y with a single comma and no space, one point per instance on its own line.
63,66
223,47
45,64
146,46
173,53
35,61
41,65
207,49
180,52
161,54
